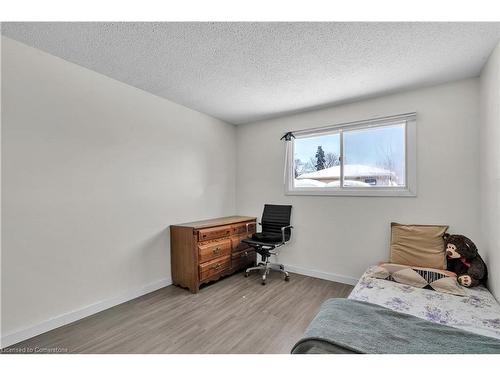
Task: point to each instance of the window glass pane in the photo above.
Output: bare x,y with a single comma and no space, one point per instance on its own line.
375,157
316,161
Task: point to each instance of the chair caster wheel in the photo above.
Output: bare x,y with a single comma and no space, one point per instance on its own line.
246,274
287,278
263,282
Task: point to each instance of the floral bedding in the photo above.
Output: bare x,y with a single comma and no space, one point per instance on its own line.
477,311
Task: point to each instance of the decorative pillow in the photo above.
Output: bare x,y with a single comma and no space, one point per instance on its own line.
380,272
409,276
418,245
419,277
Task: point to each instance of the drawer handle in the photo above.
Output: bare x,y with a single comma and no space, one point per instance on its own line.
217,250
216,267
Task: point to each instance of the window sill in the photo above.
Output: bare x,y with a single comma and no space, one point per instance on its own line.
368,192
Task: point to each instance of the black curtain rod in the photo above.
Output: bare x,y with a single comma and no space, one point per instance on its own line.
287,137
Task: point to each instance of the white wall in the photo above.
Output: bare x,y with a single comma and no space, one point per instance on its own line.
94,171
489,167
338,237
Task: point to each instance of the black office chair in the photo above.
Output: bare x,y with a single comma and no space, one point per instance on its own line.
276,232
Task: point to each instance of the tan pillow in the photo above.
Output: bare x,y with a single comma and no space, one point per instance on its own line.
380,272
448,285
418,245
409,276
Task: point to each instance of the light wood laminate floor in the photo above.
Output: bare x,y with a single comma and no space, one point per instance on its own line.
234,315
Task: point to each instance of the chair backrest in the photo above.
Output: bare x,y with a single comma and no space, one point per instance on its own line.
276,217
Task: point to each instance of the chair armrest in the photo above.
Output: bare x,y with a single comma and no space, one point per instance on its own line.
283,232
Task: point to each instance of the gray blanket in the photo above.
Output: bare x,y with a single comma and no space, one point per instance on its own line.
349,326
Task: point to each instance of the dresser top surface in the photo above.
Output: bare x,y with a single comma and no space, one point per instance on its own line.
226,220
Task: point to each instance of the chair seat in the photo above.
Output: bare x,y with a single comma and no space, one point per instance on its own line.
262,243
271,238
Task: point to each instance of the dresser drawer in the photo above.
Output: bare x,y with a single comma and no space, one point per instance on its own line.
213,233
241,228
243,259
214,267
237,244
214,249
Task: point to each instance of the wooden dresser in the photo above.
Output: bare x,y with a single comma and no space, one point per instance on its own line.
204,251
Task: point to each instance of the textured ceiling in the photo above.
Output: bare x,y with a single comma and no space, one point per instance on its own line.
242,72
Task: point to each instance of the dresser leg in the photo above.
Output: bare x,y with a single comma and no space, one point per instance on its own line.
194,289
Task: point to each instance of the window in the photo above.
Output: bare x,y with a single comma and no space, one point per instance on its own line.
368,158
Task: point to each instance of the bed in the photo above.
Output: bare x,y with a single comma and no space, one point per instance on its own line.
382,316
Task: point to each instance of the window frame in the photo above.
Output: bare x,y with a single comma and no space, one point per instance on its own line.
410,188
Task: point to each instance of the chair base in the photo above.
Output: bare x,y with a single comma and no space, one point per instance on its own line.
265,268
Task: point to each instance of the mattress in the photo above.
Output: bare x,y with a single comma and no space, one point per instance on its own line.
477,312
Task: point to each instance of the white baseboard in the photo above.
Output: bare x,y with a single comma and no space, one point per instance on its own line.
322,274
72,316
